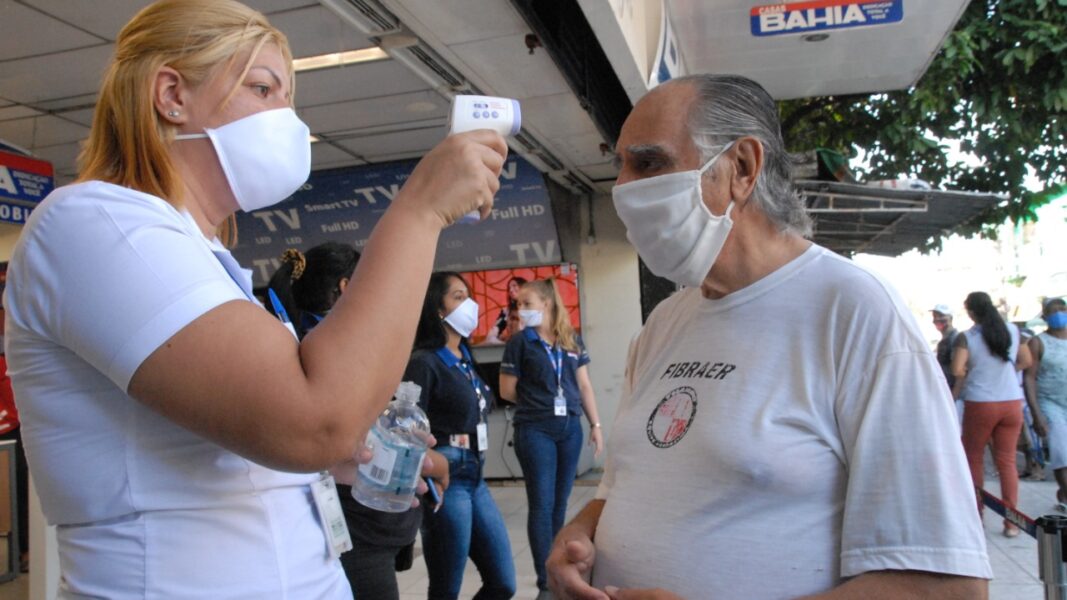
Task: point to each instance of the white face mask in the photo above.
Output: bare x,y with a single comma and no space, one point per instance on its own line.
530,318
464,318
668,223
266,156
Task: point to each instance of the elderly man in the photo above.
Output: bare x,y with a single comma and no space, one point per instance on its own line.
784,430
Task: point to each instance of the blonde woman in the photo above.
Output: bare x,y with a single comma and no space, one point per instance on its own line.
544,372
175,429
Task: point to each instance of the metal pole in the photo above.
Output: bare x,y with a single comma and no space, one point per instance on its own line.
1051,555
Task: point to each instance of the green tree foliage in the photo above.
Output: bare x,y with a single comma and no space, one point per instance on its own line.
998,85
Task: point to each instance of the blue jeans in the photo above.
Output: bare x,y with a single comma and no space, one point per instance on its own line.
548,451
468,524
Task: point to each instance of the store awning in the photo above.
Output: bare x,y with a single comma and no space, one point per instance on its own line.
851,218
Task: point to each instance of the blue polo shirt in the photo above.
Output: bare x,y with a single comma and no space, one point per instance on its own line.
448,395
526,357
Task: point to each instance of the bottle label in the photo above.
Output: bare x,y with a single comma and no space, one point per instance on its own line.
380,468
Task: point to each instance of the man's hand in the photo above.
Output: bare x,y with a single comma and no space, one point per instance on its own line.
569,566
634,594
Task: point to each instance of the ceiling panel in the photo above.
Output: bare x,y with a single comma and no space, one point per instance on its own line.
82,117
500,59
353,82
27,32
323,153
35,132
584,149
558,115
461,21
17,112
69,103
315,30
600,172
372,112
412,142
103,18
273,6
71,73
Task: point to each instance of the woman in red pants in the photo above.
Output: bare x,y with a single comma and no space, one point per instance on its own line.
985,362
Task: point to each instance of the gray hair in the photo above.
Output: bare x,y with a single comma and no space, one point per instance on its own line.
729,107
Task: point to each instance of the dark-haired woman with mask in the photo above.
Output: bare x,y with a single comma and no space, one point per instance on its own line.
381,542
985,362
457,401
175,430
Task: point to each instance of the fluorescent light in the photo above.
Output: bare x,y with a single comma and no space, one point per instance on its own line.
338,59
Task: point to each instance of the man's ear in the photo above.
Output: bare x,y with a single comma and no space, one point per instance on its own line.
748,163
169,96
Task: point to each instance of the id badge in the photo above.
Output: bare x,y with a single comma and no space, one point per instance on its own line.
460,440
331,517
483,437
560,404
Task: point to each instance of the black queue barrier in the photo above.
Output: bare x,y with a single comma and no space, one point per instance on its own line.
1050,531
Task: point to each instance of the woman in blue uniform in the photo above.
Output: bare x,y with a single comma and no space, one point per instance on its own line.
544,372
457,402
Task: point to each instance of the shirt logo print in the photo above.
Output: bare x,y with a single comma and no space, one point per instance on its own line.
670,420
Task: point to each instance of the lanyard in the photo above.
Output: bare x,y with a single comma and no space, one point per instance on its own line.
465,366
555,355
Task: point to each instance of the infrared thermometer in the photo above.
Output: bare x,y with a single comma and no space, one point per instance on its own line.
468,113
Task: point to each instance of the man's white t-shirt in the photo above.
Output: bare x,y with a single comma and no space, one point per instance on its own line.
776,440
101,277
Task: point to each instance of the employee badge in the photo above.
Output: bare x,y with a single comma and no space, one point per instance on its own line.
560,404
331,517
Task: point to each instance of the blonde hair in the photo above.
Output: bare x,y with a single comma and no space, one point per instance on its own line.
560,322
128,141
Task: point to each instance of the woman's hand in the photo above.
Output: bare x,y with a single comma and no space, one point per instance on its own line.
460,175
596,439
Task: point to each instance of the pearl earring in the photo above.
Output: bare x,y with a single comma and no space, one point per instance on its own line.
173,114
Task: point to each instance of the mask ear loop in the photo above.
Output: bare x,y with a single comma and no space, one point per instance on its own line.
707,165
712,160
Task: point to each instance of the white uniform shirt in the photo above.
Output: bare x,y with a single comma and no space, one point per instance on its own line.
100,278
790,434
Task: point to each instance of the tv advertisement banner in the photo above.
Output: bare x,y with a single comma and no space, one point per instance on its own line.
344,205
24,182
